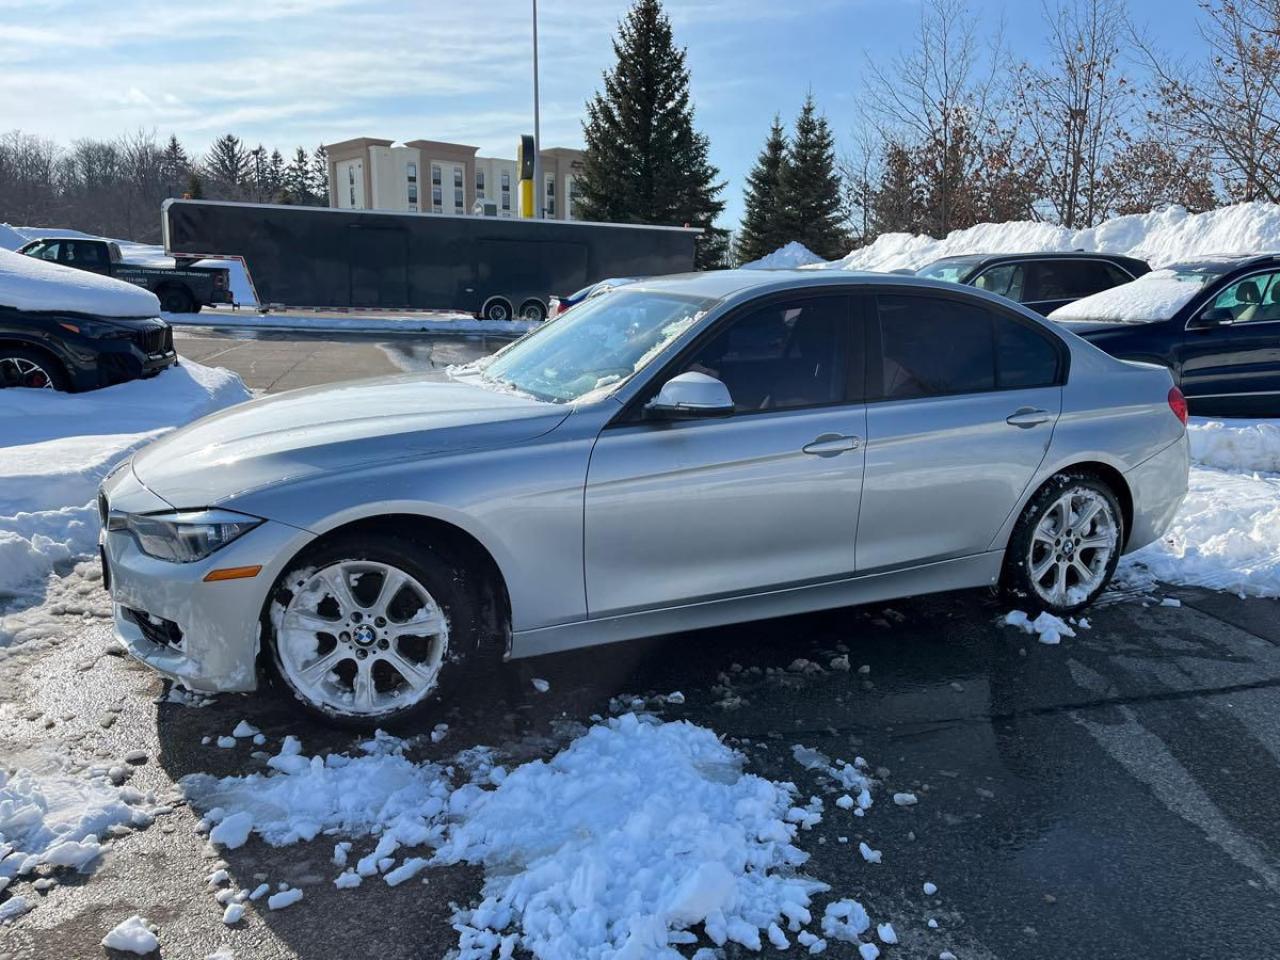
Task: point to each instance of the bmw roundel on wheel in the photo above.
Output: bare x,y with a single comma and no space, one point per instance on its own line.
682,453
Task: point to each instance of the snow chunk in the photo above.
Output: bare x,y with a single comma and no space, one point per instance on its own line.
905,799
132,936
868,951
845,920
234,913
233,831
886,933
930,889
244,729
1244,446
1047,628
542,686
285,898
226,742
869,855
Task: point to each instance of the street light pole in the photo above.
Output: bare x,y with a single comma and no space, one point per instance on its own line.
539,188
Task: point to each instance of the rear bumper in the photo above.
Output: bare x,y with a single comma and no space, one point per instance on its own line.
1158,486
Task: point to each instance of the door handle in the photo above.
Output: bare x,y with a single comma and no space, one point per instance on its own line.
1028,417
831,444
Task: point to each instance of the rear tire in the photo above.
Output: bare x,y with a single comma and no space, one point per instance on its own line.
533,310
20,367
497,310
176,300
1064,548
386,660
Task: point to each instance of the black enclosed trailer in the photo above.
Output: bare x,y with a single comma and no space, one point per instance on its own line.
490,266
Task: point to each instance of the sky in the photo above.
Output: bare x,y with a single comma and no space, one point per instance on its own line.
288,72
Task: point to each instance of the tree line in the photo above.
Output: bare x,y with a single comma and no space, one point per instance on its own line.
115,187
955,130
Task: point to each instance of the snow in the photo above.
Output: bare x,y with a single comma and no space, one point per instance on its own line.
233,831
1154,296
634,833
869,855
285,898
132,936
542,686
57,447
1239,445
1160,237
1047,628
53,817
27,283
244,729
930,889
787,257
905,799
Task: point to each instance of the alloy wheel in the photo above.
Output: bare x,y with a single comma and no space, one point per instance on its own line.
362,638
21,372
1072,546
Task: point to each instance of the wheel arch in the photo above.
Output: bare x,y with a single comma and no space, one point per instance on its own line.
8,340
489,588
1108,473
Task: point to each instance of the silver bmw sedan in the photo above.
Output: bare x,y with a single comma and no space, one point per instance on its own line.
680,453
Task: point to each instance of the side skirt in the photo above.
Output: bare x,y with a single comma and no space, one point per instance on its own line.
958,574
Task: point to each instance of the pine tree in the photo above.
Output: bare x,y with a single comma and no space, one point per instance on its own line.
763,228
195,187
644,161
258,173
320,176
228,166
811,186
297,179
275,175
175,166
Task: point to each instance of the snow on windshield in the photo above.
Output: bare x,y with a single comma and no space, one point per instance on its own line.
594,347
1154,296
30,284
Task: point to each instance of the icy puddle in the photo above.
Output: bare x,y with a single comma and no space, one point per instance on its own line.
625,842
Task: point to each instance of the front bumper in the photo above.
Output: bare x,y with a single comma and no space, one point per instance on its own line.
1158,486
204,635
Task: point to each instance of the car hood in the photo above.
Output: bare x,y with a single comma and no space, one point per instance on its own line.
332,429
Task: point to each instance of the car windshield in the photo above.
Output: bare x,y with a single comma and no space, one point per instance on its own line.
948,270
1197,273
594,347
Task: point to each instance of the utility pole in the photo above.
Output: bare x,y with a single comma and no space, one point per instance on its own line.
539,188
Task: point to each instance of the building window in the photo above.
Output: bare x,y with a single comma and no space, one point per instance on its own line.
411,171
353,195
571,198
551,196
435,175
436,199
479,184
413,194
351,176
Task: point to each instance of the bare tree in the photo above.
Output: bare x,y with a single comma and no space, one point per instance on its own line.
1078,107
1230,103
938,101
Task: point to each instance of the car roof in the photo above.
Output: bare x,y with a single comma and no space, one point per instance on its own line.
986,259
1226,261
737,284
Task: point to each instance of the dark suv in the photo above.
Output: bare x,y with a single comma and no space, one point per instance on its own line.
1214,322
1042,281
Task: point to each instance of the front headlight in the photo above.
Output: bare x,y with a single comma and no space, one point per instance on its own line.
97,329
183,536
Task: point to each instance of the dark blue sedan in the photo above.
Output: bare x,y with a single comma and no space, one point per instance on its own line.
1214,322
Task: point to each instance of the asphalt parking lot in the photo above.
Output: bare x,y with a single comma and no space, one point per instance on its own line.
1111,797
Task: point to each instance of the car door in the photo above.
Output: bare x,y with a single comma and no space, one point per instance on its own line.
1053,283
683,511
963,402
1231,348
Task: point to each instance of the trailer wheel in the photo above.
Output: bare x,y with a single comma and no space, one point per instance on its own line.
496,309
533,310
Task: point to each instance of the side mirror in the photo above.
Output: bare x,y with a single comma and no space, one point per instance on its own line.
690,396
1211,317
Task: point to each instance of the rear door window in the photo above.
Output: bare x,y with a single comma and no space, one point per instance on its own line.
1070,279
934,347
1006,280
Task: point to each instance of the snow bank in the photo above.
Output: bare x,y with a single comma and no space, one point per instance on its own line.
56,818
1160,237
632,835
51,462
1225,537
787,257
1241,445
1153,296
30,284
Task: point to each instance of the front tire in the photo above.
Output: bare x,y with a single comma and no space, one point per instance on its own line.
177,300
370,631
30,368
1065,546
